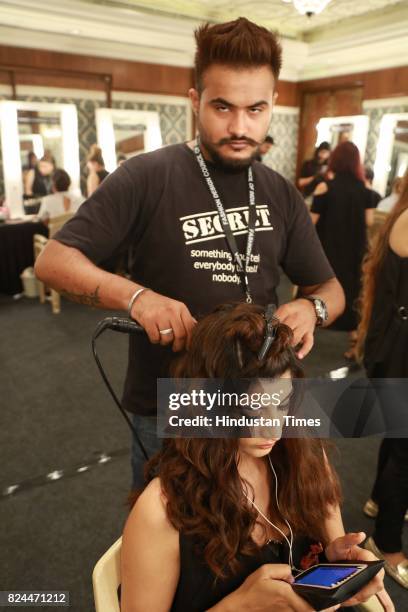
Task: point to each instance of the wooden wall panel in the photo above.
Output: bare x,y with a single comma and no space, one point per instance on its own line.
386,83
70,82
126,75
288,93
324,103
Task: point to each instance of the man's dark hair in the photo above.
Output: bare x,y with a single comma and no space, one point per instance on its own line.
324,146
61,180
269,139
369,173
239,43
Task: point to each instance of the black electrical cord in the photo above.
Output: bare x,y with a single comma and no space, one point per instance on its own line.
125,326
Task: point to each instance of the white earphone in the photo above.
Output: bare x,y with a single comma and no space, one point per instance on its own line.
290,542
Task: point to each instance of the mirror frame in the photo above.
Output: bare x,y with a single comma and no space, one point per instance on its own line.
13,176
384,149
104,118
360,130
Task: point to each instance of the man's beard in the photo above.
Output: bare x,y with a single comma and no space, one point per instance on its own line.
228,165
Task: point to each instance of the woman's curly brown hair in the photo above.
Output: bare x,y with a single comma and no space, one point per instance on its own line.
200,478
373,263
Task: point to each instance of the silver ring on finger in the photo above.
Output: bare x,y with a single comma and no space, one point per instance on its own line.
166,332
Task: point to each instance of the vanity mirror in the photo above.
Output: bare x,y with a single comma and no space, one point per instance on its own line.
338,129
391,159
122,133
34,131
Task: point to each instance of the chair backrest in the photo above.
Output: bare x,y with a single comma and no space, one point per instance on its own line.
106,579
39,242
372,605
55,223
379,218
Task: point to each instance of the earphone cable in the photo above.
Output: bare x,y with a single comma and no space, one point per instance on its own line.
289,542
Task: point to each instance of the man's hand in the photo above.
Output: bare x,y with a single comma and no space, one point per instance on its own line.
300,316
346,548
156,312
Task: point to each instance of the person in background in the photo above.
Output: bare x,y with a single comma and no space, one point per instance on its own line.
383,340
121,158
61,201
388,203
369,177
38,180
96,169
49,157
342,209
265,147
32,161
313,170
231,518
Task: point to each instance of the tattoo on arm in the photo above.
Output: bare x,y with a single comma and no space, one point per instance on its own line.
88,299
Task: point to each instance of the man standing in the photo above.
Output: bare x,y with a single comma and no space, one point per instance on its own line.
264,148
204,224
313,170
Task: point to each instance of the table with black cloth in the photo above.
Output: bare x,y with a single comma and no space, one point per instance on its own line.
16,252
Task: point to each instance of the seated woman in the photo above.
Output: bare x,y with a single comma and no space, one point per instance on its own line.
62,200
223,522
37,180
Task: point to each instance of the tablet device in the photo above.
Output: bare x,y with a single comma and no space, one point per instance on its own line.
329,584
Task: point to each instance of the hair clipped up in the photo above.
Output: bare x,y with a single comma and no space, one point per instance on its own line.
240,44
95,154
226,343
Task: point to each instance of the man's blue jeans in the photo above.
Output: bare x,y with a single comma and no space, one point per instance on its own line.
146,428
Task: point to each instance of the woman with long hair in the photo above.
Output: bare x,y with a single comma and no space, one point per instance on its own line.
342,210
224,521
38,179
383,339
96,169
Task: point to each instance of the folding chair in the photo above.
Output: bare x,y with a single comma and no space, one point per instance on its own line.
39,243
106,579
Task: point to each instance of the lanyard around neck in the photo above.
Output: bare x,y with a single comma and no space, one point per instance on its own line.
241,269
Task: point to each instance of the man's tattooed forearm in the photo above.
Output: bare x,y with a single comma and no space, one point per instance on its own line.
89,299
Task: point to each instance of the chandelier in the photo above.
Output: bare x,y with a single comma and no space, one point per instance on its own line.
309,7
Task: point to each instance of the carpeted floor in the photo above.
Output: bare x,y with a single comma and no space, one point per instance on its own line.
56,416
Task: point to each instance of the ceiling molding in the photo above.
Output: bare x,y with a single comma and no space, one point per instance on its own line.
273,14
107,31
358,55
394,14
93,47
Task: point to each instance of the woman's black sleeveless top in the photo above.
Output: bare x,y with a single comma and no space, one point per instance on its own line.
42,184
198,590
386,346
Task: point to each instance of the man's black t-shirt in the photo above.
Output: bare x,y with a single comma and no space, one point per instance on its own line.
160,206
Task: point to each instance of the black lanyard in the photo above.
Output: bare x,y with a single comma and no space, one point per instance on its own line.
241,270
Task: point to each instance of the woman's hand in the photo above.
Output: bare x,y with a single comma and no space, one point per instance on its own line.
346,548
268,588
